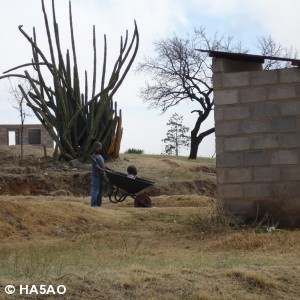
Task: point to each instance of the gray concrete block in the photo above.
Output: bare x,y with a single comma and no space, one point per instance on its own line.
218,113
291,107
277,92
217,80
256,190
235,79
286,189
264,78
292,205
284,124
255,126
227,128
234,175
265,109
284,157
223,97
239,207
289,75
270,207
255,158
253,94
236,112
290,173
237,143
238,66
219,145
230,191
265,141
266,174
290,140
216,65
297,88
229,159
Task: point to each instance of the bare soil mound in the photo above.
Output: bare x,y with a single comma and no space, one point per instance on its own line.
41,176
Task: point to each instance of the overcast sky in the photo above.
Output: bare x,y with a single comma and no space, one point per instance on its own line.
156,19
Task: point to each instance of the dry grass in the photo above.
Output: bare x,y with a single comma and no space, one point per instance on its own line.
180,249
14,151
121,252
165,168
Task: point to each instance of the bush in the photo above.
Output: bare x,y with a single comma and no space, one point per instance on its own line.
134,151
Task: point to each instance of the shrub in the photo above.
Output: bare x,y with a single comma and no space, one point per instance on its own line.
134,151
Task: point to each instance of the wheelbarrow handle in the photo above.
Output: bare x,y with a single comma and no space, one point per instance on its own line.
96,163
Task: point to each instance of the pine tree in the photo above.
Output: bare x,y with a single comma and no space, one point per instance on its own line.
176,135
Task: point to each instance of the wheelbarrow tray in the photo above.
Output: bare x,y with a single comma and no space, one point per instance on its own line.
128,184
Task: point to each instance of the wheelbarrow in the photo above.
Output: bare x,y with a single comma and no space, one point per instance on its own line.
122,186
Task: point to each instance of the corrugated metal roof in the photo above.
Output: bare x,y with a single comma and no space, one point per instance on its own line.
248,57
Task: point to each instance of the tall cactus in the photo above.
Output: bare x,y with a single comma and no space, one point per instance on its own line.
74,119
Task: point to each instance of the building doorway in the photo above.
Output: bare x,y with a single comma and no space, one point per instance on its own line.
12,137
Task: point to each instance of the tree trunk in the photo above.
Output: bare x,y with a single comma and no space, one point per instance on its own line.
196,140
194,148
22,135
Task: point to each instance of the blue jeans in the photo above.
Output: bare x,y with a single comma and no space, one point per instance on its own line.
96,191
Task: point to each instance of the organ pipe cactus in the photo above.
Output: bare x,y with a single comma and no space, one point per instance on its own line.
73,118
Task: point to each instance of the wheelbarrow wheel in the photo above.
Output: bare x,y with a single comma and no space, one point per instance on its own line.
142,201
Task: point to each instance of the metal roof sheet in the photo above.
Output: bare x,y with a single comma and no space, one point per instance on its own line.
248,57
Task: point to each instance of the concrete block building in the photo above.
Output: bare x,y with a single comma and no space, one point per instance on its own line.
33,134
257,127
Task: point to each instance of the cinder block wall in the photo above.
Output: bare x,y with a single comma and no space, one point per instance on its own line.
257,121
45,137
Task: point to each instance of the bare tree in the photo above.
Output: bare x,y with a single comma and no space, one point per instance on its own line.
180,73
18,101
267,46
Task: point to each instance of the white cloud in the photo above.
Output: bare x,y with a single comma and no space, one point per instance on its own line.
280,19
144,129
219,7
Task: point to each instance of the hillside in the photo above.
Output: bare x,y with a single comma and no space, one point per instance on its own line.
37,175
181,248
